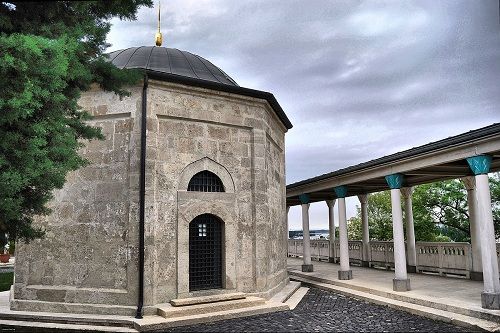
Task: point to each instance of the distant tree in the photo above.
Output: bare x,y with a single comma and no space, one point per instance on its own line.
446,204
379,218
49,53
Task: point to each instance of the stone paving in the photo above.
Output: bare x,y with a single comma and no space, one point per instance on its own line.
325,311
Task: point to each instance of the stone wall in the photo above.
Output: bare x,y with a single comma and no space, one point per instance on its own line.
90,252
242,136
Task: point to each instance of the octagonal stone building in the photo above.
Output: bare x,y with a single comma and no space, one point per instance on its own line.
213,193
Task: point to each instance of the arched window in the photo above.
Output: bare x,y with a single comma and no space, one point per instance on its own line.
205,181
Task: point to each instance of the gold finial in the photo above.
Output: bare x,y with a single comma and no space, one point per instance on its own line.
158,36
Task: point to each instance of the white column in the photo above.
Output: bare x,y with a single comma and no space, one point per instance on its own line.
410,229
306,241
400,281
491,293
287,232
287,226
345,272
331,229
490,297
477,266
363,200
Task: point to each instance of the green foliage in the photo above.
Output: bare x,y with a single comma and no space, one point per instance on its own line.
379,218
49,53
6,280
440,212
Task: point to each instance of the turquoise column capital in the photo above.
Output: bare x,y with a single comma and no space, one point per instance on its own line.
340,191
395,181
304,199
479,164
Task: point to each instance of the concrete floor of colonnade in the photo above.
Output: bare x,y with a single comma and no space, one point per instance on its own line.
456,295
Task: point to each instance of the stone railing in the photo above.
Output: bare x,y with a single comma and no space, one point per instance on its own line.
442,258
381,254
320,249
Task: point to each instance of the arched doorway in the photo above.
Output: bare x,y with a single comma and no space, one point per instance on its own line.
205,253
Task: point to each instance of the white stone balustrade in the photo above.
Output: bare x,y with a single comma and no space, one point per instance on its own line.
381,254
437,257
320,249
444,258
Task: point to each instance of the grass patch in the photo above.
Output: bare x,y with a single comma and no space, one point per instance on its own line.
6,280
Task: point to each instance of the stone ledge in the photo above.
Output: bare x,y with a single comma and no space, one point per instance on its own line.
207,299
285,293
169,311
159,323
30,326
297,296
77,308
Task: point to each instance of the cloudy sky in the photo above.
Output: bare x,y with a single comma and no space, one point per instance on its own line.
358,79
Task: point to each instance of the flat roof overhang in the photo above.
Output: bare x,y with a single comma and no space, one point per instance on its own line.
436,161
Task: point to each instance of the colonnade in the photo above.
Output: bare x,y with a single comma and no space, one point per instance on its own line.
483,241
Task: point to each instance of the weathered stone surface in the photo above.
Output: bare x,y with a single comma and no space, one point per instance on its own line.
90,253
400,285
345,275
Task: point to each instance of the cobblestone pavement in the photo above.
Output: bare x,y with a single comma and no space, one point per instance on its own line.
325,311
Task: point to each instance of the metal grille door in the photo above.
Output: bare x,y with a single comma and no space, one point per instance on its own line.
205,253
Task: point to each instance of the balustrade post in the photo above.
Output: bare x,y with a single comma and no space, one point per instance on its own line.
401,281
331,230
363,200
345,272
287,235
477,266
306,240
410,230
490,297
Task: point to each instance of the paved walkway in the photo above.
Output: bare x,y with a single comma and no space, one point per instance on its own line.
326,311
447,291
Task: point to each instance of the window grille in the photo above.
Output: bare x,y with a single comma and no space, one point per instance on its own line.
205,181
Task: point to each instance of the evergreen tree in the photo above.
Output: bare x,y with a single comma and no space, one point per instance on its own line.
49,53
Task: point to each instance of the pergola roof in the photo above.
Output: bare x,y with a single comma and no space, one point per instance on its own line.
439,160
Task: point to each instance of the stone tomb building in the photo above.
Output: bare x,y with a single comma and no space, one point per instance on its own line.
214,212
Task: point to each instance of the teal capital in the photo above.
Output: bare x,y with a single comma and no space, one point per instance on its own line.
479,164
395,180
341,191
304,199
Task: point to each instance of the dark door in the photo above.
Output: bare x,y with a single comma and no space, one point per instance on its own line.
205,253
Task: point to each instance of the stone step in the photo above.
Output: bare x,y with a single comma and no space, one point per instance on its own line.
207,299
66,318
493,316
453,318
169,311
149,323
284,294
45,327
297,296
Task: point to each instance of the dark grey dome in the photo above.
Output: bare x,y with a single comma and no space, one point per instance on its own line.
170,61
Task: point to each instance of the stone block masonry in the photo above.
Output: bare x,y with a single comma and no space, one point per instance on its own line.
89,257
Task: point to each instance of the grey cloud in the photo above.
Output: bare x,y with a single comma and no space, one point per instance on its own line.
359,79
